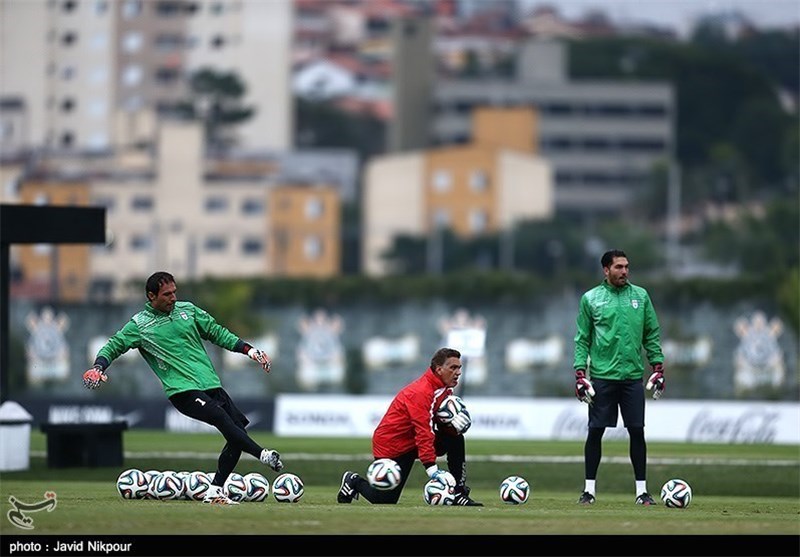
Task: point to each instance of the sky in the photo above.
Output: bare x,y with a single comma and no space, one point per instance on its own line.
679,14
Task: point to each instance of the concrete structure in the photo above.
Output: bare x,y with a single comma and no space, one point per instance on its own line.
482,187
196,217
76,63
602,138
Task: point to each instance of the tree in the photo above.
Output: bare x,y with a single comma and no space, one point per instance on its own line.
216,99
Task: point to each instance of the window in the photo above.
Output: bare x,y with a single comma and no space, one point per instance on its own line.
216,204
68,105
216,244
478,220
98,75
132,75
312,247
99,41
168,8
478,180
142,203
442,180
441,218
67,139
252,246
252,206
101,7
131,8
140,242
69,6
97,108
68,72
314,208
167,75
108,202
69,38
218,41
132,41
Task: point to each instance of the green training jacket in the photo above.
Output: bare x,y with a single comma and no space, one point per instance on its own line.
172,346
613,326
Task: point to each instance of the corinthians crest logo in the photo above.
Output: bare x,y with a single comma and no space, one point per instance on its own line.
758,360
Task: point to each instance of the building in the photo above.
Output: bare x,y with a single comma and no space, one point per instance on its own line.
601,137
71,66
483,186
181,211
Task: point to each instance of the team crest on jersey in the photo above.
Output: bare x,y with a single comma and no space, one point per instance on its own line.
635,304
184,316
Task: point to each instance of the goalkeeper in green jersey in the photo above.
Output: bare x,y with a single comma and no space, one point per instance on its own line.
169,335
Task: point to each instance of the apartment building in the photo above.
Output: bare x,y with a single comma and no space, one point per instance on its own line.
180,211
484,186
68,67
601,137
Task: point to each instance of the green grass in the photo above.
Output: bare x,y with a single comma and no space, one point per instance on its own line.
738,489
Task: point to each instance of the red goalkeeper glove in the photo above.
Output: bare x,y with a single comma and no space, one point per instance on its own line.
657,381
583,388
93,377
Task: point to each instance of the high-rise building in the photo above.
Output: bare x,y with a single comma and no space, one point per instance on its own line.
71,71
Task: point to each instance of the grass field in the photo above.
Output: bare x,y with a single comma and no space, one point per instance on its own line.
739,490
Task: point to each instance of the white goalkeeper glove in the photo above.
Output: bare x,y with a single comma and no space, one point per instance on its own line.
656,382
462,421
93,377
261,358
443,476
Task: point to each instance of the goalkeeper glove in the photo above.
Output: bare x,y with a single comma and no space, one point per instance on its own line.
461,422
583,388
93,377
261,358
442,476
657,381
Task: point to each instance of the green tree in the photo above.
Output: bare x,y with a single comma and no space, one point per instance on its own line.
216,98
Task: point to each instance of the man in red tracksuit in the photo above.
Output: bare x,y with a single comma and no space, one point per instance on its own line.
408,431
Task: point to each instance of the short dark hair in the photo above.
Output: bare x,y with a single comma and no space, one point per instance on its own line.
441,356
157,280
609,256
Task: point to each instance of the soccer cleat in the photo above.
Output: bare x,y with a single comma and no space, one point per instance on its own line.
645,499
216,496
272,459
347,491
463,499
586,498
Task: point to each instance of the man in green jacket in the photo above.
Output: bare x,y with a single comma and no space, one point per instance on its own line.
169,336
615,321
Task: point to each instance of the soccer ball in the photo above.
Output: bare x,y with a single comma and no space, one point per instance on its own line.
514,490
235,487
197,484
168,486
132,484
676,494
288,488
257,487
152,476
384,474
450,406
439,492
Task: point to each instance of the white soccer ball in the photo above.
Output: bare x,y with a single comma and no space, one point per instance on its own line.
132,484
514,490
257,487
384,474
168,486
439,492
450,406
235,487
152,476
288,488
676,494
197,484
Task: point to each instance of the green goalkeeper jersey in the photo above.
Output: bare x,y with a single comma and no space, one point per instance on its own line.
172,345
613,326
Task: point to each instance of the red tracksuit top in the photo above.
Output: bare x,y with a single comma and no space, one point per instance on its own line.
408,422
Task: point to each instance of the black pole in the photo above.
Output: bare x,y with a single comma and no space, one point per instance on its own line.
5,287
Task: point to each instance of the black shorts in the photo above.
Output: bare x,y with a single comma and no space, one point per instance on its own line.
611,398
207,405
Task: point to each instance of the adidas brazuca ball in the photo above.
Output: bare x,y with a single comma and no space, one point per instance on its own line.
514,490
384,474
288,488
676,494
